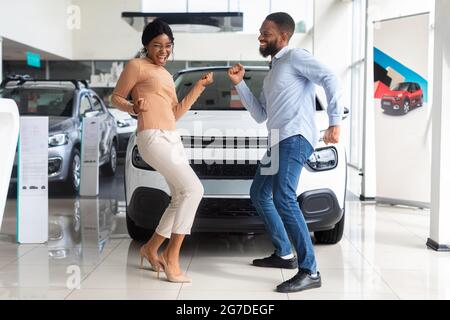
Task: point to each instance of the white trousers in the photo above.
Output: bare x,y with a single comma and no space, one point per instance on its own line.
163,150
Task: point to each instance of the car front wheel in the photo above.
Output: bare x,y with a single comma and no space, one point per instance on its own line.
406,107
332,236
74,176
137,233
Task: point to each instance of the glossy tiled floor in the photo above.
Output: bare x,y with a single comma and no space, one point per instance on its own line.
89,256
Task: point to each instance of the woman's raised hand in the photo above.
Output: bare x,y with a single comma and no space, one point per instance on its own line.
207,79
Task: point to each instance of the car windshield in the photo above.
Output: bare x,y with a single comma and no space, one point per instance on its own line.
41,101
221,95
402,87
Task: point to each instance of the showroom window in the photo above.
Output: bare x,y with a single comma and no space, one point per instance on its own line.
175,66
357,86
70,70
21,67
198,64
250,63
104,66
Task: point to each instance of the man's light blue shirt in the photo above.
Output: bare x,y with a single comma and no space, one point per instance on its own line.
288,98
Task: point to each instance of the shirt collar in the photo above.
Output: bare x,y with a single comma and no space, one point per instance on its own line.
281,53
278,56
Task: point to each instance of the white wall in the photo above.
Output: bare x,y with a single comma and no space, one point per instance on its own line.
225,46
386,9
103,34
40,24
333,45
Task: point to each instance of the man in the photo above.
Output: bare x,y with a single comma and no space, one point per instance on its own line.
287,102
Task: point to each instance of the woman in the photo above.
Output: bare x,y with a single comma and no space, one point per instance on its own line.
157,107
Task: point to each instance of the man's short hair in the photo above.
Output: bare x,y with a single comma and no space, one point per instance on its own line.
284,22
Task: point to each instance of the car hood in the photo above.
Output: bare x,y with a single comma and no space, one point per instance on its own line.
395,93
119,115
230,124
220,123
58,124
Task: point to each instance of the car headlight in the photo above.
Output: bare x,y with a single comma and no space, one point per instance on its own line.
323,159
58,140
122,124
138,162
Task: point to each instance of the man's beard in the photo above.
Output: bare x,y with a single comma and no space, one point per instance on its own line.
270,50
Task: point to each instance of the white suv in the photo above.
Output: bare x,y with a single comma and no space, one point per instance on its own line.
224,145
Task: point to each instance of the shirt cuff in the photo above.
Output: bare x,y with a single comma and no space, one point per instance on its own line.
241,85
335,120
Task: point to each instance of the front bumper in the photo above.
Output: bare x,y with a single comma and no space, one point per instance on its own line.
390,104
320,208
123,142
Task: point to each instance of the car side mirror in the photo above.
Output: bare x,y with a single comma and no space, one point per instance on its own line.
346,113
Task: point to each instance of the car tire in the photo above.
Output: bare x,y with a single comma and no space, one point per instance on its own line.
138,233
406,107
74,176
109,168
332,236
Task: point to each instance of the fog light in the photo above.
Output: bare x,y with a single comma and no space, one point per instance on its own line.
138,162
54,165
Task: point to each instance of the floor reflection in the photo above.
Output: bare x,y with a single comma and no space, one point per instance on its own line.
74,226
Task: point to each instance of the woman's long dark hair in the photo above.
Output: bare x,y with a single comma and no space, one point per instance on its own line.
152,30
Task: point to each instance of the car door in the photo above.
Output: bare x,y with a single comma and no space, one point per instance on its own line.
415,94
419,94
85,108
105,127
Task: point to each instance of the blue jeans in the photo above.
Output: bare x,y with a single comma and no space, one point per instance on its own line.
275,199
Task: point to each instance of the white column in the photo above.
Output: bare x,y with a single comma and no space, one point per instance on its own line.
440,171
1,59
368,181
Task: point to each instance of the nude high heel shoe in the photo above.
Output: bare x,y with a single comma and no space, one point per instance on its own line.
155,266
171,277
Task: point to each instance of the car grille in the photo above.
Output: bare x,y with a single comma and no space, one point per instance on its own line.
237,170
210,208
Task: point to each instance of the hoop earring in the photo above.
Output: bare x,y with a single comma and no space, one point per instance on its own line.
144,52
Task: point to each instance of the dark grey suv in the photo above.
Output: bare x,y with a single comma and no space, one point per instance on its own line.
65,103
